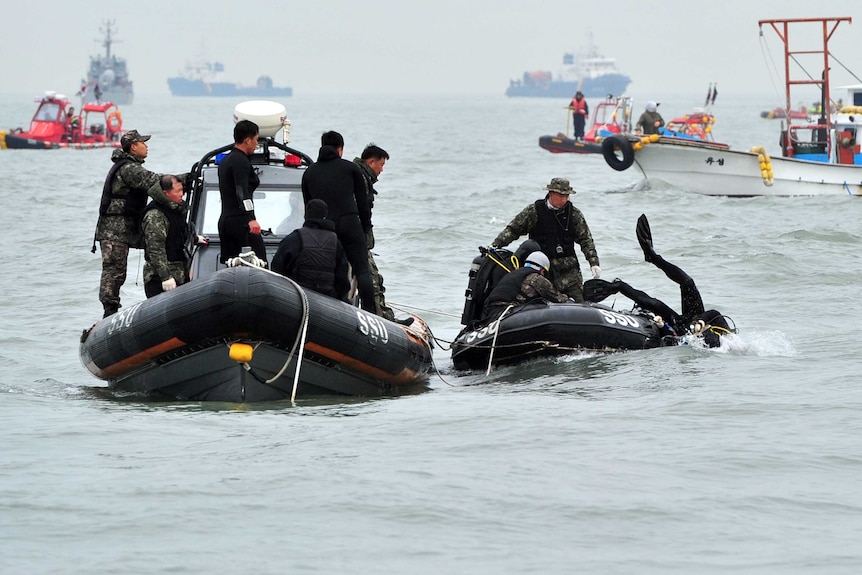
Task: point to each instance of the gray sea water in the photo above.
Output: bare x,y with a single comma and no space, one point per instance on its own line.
745,459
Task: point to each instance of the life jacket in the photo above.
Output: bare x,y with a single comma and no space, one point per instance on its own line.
579,105
135,202
509,288
175,243
314,268
551,232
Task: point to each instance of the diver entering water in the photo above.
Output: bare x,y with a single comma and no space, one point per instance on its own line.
711,324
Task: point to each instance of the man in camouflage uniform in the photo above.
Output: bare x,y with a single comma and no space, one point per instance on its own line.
124,197
165,234
371,165
557,225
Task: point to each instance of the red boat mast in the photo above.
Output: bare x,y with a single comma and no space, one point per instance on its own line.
782,29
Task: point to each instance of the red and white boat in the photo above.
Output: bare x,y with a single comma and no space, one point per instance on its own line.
96,125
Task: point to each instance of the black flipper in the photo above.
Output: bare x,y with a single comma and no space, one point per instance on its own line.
645,237
595,290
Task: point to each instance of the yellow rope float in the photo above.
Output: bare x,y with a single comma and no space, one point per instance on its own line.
765,165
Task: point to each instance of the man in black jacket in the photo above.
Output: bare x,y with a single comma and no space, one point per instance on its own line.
312,256
340,184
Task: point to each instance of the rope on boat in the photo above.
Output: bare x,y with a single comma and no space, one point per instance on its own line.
494,341
248,259
405,307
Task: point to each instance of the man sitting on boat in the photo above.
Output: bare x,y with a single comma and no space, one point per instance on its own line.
522,285
312,256
165,234
693,320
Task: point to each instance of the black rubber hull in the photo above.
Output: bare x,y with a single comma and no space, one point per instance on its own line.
549,329
563,145
177,344
15,142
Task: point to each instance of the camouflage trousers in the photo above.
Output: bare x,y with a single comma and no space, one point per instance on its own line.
114,257
382,309
566,276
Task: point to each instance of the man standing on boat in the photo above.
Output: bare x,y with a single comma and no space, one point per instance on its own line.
650,121
371,165
340,184
557,225
237,181
124,197
580,113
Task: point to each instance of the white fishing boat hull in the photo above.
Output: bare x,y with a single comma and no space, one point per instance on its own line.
717,171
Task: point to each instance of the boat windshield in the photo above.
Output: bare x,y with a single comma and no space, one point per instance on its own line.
48,112
280,211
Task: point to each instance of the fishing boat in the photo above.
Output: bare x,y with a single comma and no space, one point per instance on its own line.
590,72
817,158
54,126
540,329
610,116
108,77
204,79
241,333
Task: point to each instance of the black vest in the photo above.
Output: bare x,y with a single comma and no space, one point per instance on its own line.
509,287
178,234
135,199
550,230
314,268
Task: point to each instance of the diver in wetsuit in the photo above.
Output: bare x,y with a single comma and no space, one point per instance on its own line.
693,319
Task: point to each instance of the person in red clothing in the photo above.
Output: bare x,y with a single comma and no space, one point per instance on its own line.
580,113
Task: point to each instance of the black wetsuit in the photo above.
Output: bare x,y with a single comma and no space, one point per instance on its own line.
340,184
237,182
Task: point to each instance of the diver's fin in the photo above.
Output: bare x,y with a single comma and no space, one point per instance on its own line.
595,290
645,237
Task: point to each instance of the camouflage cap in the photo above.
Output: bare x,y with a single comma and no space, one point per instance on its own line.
131,137
561,186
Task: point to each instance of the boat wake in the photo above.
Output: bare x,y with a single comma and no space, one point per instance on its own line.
754,343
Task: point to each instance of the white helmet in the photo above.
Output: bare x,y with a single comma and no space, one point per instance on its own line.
539,260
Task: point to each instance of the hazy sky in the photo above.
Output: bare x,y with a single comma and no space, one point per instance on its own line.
412,46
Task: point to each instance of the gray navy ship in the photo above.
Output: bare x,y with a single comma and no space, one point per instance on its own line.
107,78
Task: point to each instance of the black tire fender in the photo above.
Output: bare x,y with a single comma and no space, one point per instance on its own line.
618,152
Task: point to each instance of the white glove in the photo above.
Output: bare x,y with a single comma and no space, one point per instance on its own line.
658,321
597,272
202,240
169,284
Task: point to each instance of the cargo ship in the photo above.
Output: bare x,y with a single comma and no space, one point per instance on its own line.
592,73
203,79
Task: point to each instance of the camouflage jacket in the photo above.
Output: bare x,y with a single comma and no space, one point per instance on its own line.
155,232
131,177
537,285
524,222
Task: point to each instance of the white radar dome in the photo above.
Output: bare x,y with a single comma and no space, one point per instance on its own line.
270,117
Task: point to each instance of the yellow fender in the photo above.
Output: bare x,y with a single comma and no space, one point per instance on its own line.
765,165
